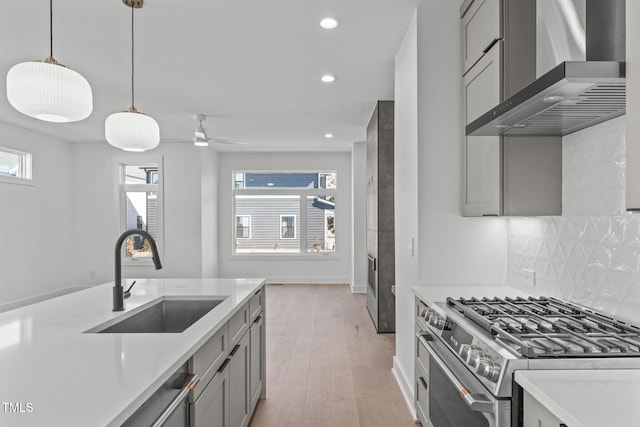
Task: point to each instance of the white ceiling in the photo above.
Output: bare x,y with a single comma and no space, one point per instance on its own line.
253,66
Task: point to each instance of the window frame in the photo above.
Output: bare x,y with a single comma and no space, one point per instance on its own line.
158,189
294,227
25,168
249,226
300,223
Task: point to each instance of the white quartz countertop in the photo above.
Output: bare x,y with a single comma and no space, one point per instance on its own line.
432,294
57,374
587,398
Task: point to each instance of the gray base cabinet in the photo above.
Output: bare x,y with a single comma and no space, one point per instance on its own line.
239,377
231,366
212,407
257,361
536,415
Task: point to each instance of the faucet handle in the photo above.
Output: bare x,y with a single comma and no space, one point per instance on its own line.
127,294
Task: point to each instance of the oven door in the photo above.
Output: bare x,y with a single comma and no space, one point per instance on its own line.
456,397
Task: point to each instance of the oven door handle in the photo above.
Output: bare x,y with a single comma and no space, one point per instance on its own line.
475,402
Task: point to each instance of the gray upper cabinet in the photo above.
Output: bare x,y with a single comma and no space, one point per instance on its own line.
481,91
632,188
504,175
480,30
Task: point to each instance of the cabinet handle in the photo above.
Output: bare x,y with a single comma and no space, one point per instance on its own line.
234,351
490,45
187,388
257,319
424,383
224,365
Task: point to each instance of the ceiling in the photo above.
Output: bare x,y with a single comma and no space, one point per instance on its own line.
252,66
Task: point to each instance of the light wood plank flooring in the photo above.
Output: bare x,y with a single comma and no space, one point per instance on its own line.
326,366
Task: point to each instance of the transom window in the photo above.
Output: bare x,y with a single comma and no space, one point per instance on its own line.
284,212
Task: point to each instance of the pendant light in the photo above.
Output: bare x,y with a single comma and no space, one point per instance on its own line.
48,90
131,130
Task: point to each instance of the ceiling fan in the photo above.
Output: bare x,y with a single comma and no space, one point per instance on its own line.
201,139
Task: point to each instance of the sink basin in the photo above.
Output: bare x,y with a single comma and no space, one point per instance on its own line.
169,315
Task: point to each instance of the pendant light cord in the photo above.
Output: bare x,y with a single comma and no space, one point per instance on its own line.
132,65
51,29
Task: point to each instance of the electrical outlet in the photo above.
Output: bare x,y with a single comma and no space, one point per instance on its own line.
529,277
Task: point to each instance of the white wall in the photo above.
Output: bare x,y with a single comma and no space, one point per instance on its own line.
35,220
359,224
281,269
209,200
452,250
96,211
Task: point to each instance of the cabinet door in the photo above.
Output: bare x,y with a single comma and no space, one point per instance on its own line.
536,415
211,409
480,29
482,154
208,359
256,350
239,397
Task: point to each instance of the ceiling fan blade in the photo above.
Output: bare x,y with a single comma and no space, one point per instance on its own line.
226,141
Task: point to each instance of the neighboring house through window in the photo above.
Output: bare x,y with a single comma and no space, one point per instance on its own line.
285,212
140,195
243,227
287,227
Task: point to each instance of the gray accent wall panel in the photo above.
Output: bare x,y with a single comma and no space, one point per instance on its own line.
380,216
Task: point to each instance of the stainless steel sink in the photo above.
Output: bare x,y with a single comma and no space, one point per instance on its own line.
169,315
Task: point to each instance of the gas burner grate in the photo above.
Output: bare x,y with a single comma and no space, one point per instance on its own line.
548,327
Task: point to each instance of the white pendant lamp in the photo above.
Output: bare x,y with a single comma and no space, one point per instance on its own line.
131,130
48,90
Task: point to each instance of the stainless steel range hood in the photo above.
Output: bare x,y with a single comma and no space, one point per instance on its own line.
587,89
572,96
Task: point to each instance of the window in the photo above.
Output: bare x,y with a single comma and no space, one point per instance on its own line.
15,164
284,212
140,191
287,227
243,227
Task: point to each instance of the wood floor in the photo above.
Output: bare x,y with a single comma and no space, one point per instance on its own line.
326,366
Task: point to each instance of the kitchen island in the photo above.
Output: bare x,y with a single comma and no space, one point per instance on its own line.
53,372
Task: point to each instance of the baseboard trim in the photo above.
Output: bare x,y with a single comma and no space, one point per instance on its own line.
358,289
309,280
405,387
38,298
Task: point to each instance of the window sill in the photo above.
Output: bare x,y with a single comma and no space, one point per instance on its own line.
288,257
17,181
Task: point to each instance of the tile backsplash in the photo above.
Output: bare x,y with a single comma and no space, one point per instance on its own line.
590,254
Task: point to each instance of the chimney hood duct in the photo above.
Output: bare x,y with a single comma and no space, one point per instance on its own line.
574,94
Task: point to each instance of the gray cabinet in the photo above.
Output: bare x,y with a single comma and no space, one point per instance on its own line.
632,175
480,30
482,154
534,414
239,376
211,408
380,217
231,365
257,362
504,175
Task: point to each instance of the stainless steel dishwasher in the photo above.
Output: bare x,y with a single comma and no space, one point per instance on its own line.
169,405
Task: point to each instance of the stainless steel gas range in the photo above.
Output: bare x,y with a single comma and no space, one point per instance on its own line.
468,349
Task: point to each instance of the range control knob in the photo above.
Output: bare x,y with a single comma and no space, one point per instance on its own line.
465,349
489,370
475,356
436,321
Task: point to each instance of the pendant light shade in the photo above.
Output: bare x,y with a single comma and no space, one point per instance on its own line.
132,131
47,90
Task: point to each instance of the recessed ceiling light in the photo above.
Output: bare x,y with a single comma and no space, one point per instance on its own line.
328,78
328,135
329,23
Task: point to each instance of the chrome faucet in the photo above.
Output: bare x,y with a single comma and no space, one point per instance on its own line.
118,295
